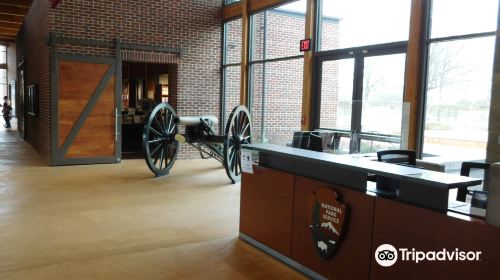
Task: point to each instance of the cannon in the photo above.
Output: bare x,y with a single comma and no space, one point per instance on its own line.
161,139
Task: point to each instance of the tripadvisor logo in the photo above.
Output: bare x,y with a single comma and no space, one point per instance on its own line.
387,255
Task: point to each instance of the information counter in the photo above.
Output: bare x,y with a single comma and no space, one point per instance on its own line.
318,213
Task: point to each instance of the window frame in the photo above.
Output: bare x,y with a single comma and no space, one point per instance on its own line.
264,61
426,45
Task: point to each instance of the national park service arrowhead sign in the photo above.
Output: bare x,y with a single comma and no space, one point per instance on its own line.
326,220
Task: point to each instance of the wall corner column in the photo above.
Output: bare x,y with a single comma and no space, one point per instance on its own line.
414,69
245,52
307,90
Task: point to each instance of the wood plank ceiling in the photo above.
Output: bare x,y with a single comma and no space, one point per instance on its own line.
12,14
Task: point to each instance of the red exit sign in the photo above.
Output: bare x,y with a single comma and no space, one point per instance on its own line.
305,45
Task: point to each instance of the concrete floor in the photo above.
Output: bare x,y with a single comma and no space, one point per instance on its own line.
118,222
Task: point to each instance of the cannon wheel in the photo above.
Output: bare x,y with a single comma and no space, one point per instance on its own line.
158,139
238,132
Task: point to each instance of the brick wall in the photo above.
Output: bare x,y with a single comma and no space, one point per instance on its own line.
32,45
193,26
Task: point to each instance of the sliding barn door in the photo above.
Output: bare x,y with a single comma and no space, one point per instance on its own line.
88,126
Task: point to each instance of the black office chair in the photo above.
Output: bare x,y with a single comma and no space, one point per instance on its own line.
403,157
315,142
301,139
467,167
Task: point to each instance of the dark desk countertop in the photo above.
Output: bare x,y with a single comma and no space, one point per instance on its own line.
359,164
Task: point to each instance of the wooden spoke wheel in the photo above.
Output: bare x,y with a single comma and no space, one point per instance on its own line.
238,132
158,140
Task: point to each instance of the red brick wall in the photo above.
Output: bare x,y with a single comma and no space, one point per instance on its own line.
32,45
193,26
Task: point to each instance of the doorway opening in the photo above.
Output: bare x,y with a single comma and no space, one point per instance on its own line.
144,85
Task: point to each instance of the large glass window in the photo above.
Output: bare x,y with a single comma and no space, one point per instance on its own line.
452,17
231,67
362,93
232,42
361,65
3,71
277,72
232,83
383,87
352,23
277,32
336,93
277,100
458,80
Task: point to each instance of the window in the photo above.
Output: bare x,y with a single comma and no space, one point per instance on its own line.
363,93
3,71
352,23
33,100
276,33
231,68
458,78
277,72
228,2
361,68
276,100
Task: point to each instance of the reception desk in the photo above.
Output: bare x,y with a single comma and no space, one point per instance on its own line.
317,213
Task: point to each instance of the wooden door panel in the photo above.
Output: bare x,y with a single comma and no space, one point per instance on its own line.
97,135
77,83
86,110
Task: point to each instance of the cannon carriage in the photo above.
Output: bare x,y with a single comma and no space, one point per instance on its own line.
161,139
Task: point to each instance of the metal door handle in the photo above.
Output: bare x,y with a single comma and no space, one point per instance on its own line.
117,133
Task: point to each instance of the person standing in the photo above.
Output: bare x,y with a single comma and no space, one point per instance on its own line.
7,109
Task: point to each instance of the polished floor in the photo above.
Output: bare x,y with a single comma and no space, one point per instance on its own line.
118,222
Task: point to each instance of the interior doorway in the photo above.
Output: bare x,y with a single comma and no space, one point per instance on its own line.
144,85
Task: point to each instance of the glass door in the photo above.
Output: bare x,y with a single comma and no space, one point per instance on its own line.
360,97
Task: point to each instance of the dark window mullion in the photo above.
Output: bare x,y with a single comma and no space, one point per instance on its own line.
357,96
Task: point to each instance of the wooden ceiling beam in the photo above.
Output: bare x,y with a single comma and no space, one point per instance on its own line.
8,31
13,10
7,37
11,18
10,25
19,3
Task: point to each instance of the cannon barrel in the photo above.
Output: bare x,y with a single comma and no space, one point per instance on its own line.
195,120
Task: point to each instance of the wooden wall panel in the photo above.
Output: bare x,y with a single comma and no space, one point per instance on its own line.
413,78
77,82
406,226
352,260
231,12
257,5
266,208
96,138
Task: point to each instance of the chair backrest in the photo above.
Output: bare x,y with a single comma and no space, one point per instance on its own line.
315,142
493,210
465,170
398,156
301,139
467,166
